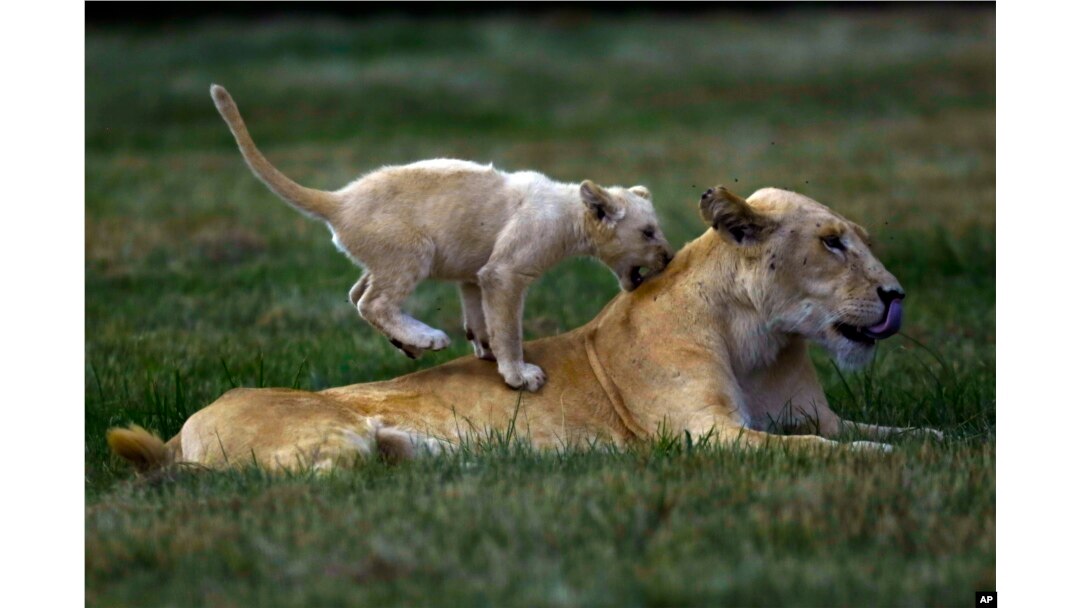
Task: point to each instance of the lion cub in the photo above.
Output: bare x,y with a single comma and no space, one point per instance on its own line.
492,232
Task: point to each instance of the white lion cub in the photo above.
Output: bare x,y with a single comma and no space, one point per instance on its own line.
492,232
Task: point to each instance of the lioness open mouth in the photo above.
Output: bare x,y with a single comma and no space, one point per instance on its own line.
888,326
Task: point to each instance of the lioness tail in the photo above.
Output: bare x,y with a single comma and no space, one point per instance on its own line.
307,200
144,450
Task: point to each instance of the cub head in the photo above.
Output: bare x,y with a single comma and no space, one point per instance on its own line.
621,224
808,270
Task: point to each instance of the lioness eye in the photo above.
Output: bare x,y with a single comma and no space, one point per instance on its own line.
834,243
649,233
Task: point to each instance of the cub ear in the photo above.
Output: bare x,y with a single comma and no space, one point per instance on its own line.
642,191
600,203
730,214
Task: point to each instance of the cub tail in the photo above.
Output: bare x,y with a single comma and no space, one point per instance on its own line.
318,203
143,449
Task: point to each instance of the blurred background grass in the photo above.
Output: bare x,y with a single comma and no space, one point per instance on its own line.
198,279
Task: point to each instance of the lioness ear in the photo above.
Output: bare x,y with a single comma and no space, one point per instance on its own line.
642,191
600,203
730,214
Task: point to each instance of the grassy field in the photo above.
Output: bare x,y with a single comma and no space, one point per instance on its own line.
198,279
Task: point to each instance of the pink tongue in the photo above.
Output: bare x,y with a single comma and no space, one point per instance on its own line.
891,324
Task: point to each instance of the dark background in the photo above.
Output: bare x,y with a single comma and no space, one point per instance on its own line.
163,13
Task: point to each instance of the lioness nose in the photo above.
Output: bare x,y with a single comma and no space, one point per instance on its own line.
890,294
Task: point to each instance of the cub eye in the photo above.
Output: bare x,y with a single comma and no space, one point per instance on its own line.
649,233
834,243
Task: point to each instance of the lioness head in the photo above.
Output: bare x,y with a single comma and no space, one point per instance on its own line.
811,271
622,226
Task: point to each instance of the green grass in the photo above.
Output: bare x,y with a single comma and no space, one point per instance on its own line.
197,280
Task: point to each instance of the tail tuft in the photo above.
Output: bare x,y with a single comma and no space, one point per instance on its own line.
221,96
143,449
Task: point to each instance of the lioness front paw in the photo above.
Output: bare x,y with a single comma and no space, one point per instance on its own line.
527,376
928,433
871,446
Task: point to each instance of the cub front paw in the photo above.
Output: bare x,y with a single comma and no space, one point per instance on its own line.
526,375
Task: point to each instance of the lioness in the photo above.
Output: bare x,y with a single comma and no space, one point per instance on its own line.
717,344
492,232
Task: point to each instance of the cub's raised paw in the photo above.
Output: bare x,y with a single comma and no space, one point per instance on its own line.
432,339
526,375
409,350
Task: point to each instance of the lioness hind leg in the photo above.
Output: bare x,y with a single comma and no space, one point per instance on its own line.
397,444
380,305
472,308
348,446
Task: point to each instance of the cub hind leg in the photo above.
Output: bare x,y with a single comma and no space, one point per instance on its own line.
472,308
382,290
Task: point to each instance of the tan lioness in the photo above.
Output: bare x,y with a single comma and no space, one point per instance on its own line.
492,232
716,344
